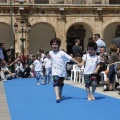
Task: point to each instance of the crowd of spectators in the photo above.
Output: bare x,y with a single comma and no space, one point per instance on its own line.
19,65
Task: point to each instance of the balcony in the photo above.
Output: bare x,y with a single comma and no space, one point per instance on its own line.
41,1
63,2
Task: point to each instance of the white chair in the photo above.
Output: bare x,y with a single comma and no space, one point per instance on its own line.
80,75
76,73
73,73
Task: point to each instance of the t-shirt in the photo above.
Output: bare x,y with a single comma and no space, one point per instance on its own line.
100,43
59,60
47,63
4,68
38,65
77,51
116,41
91,63
1,54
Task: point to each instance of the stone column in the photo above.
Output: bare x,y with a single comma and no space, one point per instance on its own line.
106,1
89,1
61,31
69,2
98,29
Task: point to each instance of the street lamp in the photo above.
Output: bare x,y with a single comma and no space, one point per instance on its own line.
22,30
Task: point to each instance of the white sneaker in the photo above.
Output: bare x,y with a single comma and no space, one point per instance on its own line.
43,83
5,80
38,83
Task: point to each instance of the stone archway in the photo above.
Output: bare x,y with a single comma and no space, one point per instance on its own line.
40,36
5,34
78,30
110,32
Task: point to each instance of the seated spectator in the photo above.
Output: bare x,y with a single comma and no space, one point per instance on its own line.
11,65
29,60
112,59
22,58
5,72
19,69
103,64
26,72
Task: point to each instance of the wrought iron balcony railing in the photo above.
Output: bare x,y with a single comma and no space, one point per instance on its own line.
88,2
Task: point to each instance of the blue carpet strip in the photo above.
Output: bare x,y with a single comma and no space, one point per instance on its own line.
29,101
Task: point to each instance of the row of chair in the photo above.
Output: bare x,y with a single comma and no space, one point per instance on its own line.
77,75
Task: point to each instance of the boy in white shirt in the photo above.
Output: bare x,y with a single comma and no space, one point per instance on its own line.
90,62
59,59
37,64
48,68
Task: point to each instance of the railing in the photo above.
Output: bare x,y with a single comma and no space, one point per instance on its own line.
41,1
78,1
97,1
88,2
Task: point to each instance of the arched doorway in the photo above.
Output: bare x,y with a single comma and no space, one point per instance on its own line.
110,32
117,30
78,30
40,36
75,31
5,34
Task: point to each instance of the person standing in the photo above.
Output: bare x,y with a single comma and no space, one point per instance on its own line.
59,59
38,69
116,41
77,51
99,42
48,68
90,61
1,52
5,52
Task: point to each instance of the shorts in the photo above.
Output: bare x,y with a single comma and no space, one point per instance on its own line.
88,81
58,81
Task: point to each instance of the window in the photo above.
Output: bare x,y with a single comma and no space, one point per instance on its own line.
114,1
41,2
79,1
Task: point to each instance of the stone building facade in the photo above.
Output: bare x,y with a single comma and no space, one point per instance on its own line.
66,19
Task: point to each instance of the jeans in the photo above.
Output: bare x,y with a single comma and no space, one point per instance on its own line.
39,75
48,74
111,74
